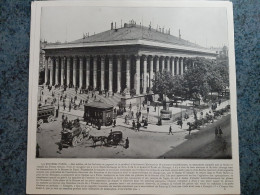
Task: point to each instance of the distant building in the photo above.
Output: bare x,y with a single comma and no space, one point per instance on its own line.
120,58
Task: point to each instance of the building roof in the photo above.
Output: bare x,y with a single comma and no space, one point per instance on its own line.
135,32
98,104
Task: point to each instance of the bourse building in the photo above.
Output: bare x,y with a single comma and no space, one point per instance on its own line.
119,58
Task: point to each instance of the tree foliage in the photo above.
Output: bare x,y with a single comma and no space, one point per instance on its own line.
197,81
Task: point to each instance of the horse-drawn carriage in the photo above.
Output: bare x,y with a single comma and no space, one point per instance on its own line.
45,114
114,138
73,134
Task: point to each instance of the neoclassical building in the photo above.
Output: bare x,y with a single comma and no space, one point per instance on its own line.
119,58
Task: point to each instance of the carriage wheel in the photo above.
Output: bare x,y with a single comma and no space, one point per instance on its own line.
74,141
50,119
80,138
40,121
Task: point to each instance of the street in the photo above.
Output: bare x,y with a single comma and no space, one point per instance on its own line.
143,144
204,144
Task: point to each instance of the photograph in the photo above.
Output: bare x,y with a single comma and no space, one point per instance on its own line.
133,83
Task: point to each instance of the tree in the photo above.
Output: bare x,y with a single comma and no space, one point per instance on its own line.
165,83
207,76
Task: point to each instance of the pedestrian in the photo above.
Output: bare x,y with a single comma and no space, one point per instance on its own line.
45,101
181,123
60,147
133,124
138,126
62,116
170,130
220,132
148,109
219,102
216,132
189,129
57,113
125,119
130,106
37,151
126,143
64,106
70,107
114,122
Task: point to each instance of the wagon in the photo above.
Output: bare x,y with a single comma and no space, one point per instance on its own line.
72,135
46,113
115,138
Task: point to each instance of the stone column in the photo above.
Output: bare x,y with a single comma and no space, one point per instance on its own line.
145,72
94,72
151,73
74,71
157,64
173,62
80,72
110,85
181,65
57,71
168,64
119,65
163,64
68,71
62,77
51,71
87,71
103,80
128,72
46,70
177,66
137,81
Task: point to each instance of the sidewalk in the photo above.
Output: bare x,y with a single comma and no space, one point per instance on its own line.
152,127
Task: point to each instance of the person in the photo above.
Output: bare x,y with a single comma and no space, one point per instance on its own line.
125,119
130,106
57,113
145,123
64,106
148,109
220,132
126,143
37,151
114,122
70,107
189,129
133,124
63,116
170,130
219,102
181,123
216,132
132,113
138,126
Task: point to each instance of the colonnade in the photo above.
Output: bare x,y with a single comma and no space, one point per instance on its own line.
110,72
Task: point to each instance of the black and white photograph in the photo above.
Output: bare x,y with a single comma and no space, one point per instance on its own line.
133,83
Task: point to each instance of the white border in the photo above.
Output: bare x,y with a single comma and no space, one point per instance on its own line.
33,89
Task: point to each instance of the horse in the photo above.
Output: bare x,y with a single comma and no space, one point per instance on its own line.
95,139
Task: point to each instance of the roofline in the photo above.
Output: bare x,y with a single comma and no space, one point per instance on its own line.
128,42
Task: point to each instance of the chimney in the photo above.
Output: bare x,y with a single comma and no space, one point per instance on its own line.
111,25
179,34
115,25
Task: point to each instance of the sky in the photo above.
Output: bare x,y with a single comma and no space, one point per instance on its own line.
204,26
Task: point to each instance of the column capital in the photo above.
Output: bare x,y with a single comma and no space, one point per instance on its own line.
102,57
162,57
137,57
151,57
56,58
144,57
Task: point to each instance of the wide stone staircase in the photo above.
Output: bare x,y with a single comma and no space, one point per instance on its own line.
71,93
